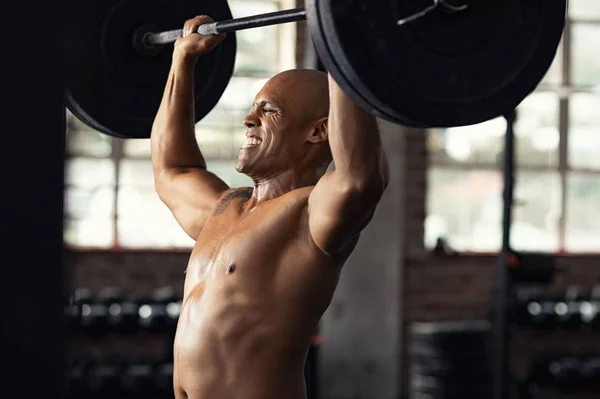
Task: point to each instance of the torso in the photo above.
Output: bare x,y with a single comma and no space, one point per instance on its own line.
256,287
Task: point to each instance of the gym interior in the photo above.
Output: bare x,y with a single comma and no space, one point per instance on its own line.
443,297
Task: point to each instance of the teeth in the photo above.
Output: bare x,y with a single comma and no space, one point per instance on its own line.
252,142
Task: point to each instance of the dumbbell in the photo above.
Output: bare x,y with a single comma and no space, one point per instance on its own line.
568,310
160,311
590,310
137,380
92,314
538,312
122,310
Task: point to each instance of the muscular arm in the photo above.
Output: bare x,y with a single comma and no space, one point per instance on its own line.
180,176
344,200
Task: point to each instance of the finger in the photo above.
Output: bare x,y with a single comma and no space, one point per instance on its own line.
191,25
199,20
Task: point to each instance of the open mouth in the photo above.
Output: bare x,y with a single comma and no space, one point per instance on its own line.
252,142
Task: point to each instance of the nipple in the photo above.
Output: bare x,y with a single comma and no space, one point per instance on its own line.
230,269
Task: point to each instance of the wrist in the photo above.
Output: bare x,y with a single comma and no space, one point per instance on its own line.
182,59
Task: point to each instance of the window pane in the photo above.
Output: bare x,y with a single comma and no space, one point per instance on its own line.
536,130
584,131
144,221
258,49
138,148
584,9
89,172
89,216
136,172
89,233
536,214
83,140
554,75
582,219
466,209
89,202
475,144
586,47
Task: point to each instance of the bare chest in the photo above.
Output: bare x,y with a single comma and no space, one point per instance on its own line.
248,244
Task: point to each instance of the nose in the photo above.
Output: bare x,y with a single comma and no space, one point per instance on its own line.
251,120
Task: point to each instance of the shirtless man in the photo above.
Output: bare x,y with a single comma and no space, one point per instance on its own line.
267,259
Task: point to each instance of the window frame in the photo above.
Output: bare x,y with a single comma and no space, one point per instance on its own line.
564,90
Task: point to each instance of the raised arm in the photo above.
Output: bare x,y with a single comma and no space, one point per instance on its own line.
344,200
180,176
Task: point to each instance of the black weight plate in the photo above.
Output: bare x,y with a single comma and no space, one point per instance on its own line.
327,57
115,90
444,69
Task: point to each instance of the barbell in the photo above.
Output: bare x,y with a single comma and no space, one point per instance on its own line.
453,63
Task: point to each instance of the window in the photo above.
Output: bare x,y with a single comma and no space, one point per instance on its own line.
110,200
557,181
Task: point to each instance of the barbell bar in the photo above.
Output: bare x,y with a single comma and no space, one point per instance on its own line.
232,25
450,66
272,18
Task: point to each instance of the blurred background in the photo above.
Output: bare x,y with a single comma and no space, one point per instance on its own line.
428,256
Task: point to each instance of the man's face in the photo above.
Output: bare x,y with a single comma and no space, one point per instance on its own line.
274,136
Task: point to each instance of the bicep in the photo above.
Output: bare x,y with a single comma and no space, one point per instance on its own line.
339,210
190,195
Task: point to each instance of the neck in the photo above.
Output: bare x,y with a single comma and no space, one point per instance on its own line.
277,185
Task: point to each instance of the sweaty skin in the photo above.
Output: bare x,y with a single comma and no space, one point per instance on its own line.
267,258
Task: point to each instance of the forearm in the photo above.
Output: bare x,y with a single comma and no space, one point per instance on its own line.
173,140
353,138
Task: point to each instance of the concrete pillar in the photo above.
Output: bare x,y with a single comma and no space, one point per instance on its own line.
361,354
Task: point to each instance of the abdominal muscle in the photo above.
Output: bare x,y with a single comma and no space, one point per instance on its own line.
230,345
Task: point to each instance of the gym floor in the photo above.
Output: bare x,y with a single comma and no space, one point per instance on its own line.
397,276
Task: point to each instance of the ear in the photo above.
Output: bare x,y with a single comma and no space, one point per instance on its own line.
319,133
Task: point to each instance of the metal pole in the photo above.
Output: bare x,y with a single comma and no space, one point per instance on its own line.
500,351
232,25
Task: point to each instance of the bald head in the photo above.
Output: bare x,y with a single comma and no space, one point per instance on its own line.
287,128
302,91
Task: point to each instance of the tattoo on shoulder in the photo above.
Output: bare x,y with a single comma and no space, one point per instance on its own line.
221,207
